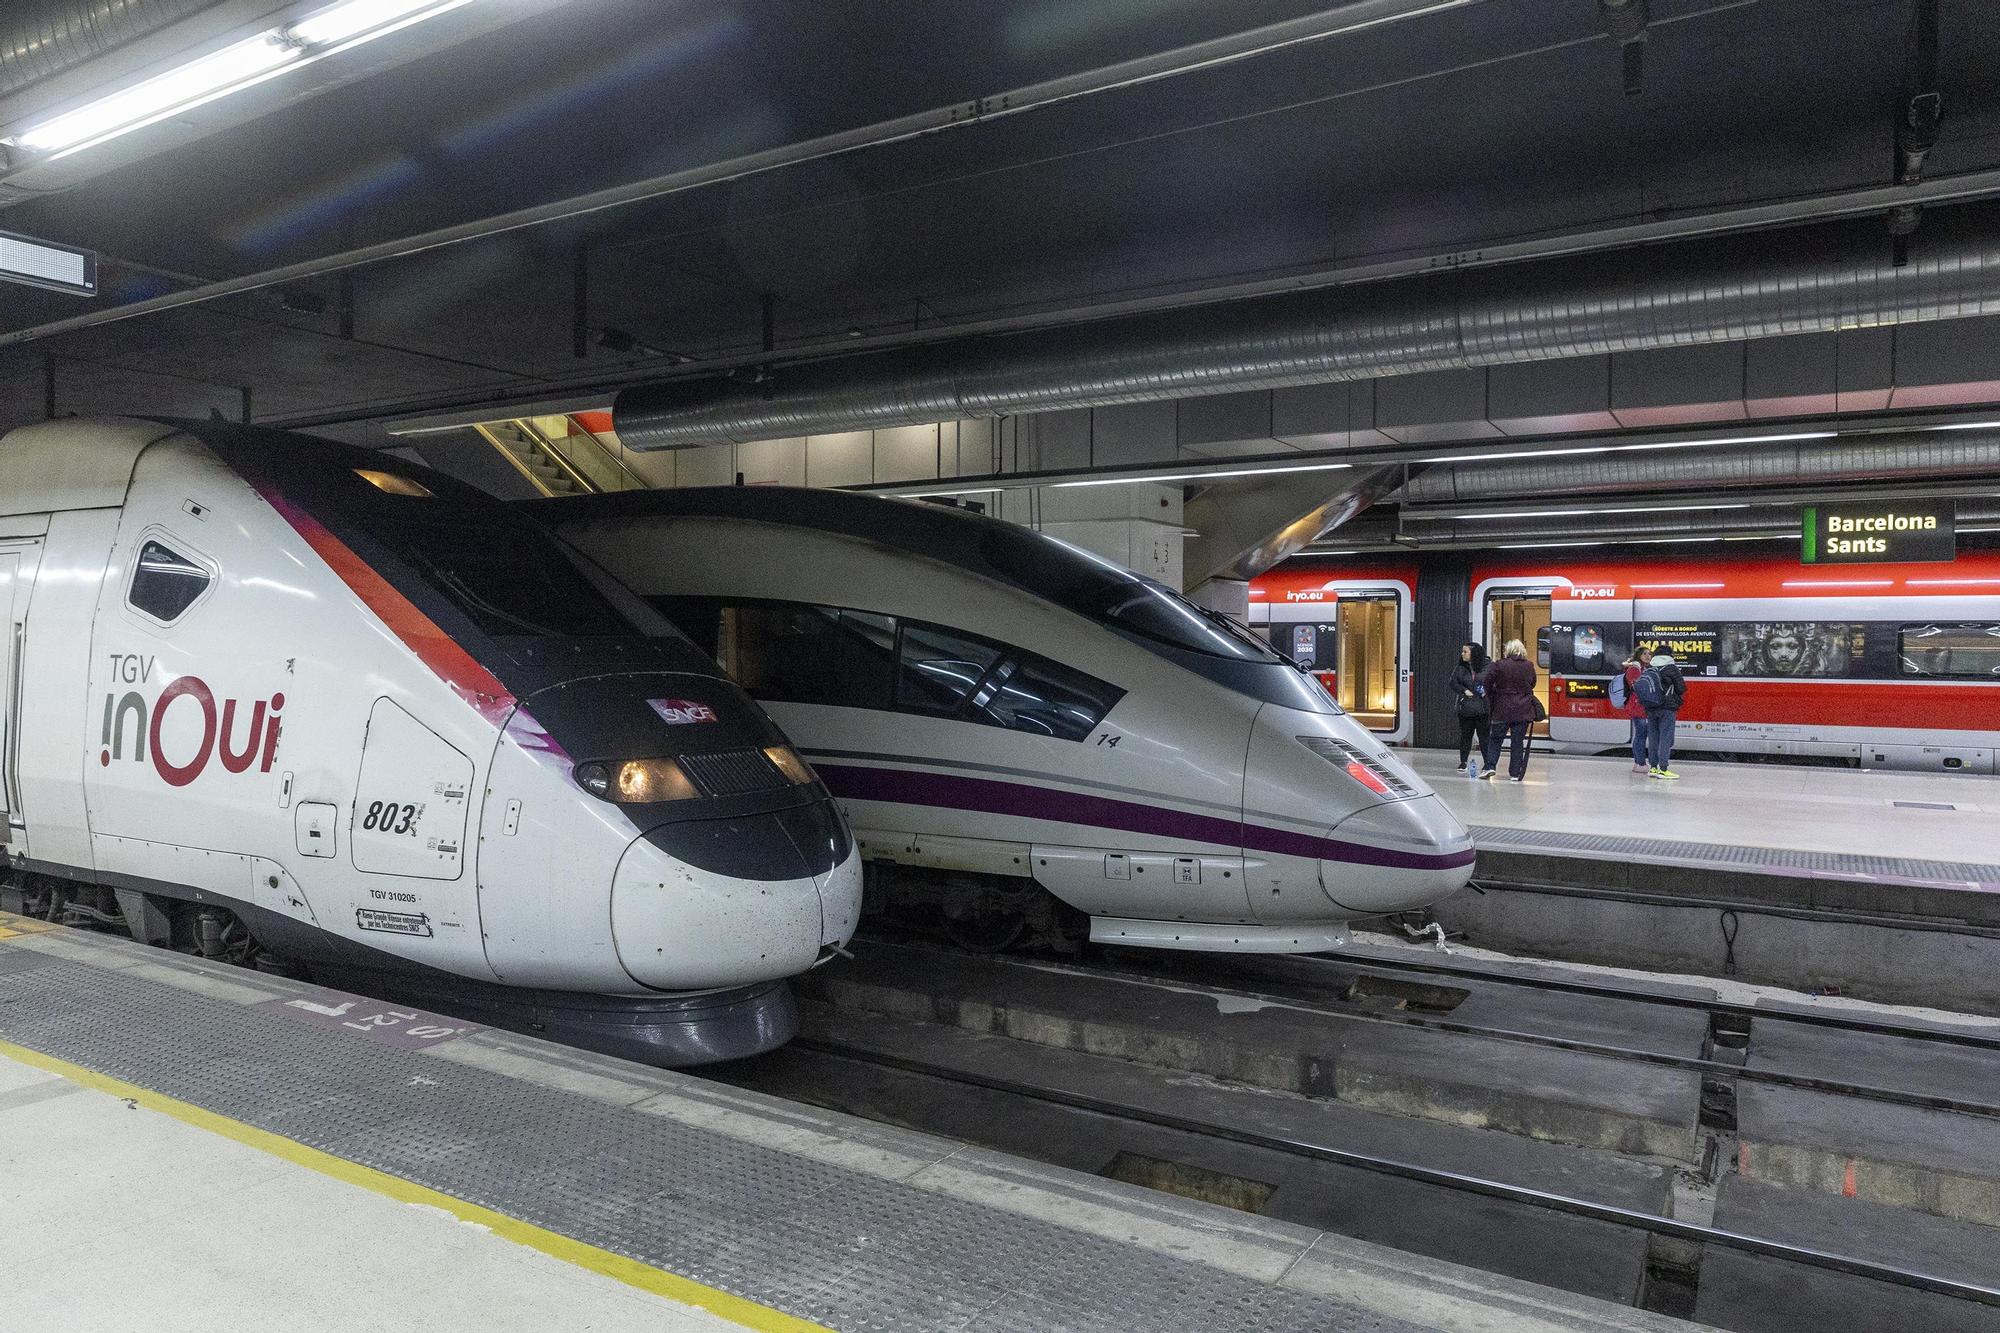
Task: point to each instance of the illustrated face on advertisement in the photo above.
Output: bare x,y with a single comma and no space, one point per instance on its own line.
1785,650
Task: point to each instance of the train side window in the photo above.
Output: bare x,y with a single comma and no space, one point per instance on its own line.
808,654
1044,698
1966,651
937,669
165,583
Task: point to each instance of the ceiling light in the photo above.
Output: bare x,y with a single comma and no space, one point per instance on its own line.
1940,583
376,18
1966,425
1205,476
232,69
1542,546
1620,448
939,495
192,84
1840,583
1578,513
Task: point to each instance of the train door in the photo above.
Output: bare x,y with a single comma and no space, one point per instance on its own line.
1368,647
18,560
1524,614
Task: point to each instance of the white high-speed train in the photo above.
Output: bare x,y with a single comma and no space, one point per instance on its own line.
279,700
1001,714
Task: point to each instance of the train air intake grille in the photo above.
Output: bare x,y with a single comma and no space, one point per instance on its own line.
733,772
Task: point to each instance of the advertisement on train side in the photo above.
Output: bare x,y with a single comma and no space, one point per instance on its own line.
1883,532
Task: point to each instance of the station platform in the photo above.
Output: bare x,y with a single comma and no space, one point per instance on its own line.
253,1144
1824,860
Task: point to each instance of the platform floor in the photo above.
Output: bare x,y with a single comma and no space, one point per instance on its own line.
218,1140
1857,825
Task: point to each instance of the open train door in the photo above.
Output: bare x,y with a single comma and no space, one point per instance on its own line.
18,562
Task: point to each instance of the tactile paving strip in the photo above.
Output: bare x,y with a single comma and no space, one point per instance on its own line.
844,1249
1845,864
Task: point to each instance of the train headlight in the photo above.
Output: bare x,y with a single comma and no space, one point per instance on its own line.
637,781
1368,770
786,760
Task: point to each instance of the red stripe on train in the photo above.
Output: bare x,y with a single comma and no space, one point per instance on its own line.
1833,703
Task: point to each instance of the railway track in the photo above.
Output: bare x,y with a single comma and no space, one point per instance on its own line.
1653,1225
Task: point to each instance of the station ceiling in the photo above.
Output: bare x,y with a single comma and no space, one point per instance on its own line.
1459,129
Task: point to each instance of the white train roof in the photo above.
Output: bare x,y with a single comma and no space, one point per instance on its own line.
76,463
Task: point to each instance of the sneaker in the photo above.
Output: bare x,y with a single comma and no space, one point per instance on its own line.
1641,768
1517,779
1653,772
1668,774
1490,774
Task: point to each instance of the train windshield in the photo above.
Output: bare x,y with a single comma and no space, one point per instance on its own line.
1154,616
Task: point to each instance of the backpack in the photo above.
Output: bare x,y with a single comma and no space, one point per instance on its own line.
1652,692
1673,689
1619,696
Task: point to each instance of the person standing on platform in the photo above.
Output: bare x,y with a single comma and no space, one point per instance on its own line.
1662,690
1510,695
1625,698
1468,701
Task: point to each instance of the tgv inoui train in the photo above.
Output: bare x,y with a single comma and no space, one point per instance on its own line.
275,699
997,711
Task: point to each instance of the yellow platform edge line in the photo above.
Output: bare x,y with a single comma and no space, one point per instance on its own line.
631,1272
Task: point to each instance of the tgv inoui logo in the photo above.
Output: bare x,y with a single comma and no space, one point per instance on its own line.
129,718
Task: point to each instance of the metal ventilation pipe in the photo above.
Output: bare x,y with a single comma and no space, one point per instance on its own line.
1762,520
1804,280
40,39
1924,455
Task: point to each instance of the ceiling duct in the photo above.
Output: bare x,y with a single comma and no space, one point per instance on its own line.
40,39
1802,280
1757,520
1933,455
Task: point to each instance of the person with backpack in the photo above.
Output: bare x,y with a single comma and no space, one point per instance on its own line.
1625,698
1662,690
1510,691
1468,701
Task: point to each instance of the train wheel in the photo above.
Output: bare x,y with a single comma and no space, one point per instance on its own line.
984,917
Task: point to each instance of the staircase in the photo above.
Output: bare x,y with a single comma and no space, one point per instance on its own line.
574,465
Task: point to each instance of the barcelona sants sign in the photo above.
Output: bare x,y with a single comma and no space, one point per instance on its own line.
1878,532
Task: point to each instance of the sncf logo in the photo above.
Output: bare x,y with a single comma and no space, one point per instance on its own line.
680,712
1316,595
225,734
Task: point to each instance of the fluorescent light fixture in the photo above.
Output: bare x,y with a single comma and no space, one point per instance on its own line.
1543,546
214,75
1578,513
1967,425
1763,537
232,69
939,495
1657,587
1205,476
376,18
1942,583
1840,583
1623,448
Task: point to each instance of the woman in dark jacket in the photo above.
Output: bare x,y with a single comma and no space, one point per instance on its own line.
1468,701
1510,693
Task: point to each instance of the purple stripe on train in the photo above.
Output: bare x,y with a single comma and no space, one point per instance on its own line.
907,787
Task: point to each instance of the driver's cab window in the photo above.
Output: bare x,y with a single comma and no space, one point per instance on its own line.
165,583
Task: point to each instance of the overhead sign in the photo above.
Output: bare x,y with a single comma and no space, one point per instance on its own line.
1878,532
59,268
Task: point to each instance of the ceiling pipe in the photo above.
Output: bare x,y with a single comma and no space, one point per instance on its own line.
40,39
1919,456
1765,522
1808,280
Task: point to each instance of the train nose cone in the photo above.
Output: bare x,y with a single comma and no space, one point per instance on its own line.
708,903
1396,856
